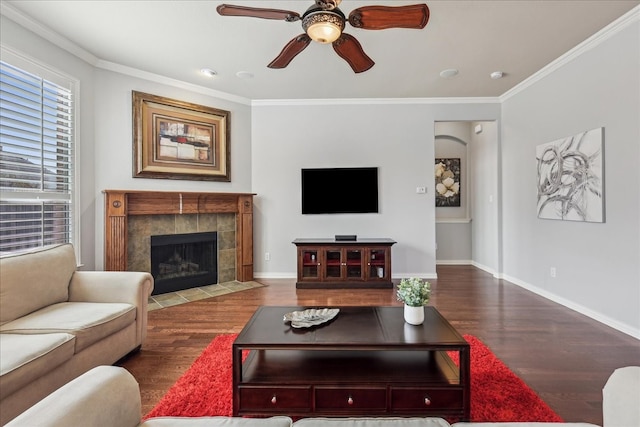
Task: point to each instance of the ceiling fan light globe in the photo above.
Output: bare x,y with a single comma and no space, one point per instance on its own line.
324,32
323,27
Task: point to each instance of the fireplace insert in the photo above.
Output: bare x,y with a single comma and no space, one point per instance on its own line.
183,261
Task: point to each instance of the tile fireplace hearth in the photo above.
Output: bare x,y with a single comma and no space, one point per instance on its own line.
196,294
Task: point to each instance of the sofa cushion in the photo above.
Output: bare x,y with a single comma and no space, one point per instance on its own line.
88,321
620,397
372,422
24,358
276,421
105,396
32,280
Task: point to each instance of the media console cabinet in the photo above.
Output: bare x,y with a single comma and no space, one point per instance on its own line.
329,263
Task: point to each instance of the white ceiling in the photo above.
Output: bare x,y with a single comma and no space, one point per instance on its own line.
176,39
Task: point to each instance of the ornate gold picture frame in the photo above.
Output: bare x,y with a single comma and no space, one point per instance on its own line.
178,140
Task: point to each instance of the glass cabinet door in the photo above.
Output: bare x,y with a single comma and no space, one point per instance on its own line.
310,264
377,263
354,263
333,263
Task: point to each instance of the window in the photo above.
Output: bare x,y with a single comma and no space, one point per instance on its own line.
36,160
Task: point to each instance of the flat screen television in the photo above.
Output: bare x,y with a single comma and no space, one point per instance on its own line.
340,190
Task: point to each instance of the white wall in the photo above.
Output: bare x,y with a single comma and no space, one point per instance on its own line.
598,264
398,138
485,198
114,143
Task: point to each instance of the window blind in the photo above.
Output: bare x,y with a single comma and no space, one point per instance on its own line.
36,161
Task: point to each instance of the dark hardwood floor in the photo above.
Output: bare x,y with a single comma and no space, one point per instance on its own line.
562,355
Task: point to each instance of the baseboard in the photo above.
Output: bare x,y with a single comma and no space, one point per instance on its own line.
454,262
626,329
487,269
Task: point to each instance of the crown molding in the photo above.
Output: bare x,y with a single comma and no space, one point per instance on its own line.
145,75
606,33
375,101
46,33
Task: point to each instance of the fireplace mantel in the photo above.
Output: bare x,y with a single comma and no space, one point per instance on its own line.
120,204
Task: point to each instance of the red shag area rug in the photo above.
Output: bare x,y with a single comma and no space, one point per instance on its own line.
497,394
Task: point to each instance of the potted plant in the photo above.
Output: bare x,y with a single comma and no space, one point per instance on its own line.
414,293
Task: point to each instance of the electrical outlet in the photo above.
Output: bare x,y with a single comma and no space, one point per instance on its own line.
552,272
267,256
421,190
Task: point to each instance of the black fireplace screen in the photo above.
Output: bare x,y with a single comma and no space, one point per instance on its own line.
183,261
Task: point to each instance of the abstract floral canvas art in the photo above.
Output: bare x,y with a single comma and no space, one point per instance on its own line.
570,178
447,173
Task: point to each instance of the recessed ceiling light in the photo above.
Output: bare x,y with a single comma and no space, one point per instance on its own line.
448,73
208,72
497,75
244,75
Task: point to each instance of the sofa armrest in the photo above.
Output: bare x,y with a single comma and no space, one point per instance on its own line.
103,396
115,286
620,397
111,286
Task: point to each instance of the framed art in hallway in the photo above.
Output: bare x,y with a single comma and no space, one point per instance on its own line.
570,178
447,175
178,140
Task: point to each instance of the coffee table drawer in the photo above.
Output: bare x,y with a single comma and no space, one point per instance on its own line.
409,398
275,398
331,398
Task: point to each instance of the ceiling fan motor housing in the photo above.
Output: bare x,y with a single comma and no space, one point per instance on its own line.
323,26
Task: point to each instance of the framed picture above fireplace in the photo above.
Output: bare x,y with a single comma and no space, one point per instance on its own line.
178,140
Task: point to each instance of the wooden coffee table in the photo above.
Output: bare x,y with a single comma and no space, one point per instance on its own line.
366,361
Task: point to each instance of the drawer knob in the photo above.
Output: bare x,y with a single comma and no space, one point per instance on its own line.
350,400
427,401
274,400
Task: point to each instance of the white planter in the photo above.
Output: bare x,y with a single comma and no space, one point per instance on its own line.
414,315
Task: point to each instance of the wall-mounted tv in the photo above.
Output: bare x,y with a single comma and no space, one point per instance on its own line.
340,190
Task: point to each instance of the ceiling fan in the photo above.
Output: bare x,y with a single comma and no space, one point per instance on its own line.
324,22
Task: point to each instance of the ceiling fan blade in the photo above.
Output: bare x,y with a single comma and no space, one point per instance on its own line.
257,12
351,51
382,17
290,51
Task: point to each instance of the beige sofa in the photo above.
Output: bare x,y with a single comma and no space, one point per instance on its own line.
57,323
108,396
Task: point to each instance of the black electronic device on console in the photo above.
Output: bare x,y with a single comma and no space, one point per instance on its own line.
346,237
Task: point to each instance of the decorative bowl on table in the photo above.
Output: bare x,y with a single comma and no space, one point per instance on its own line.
310,317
